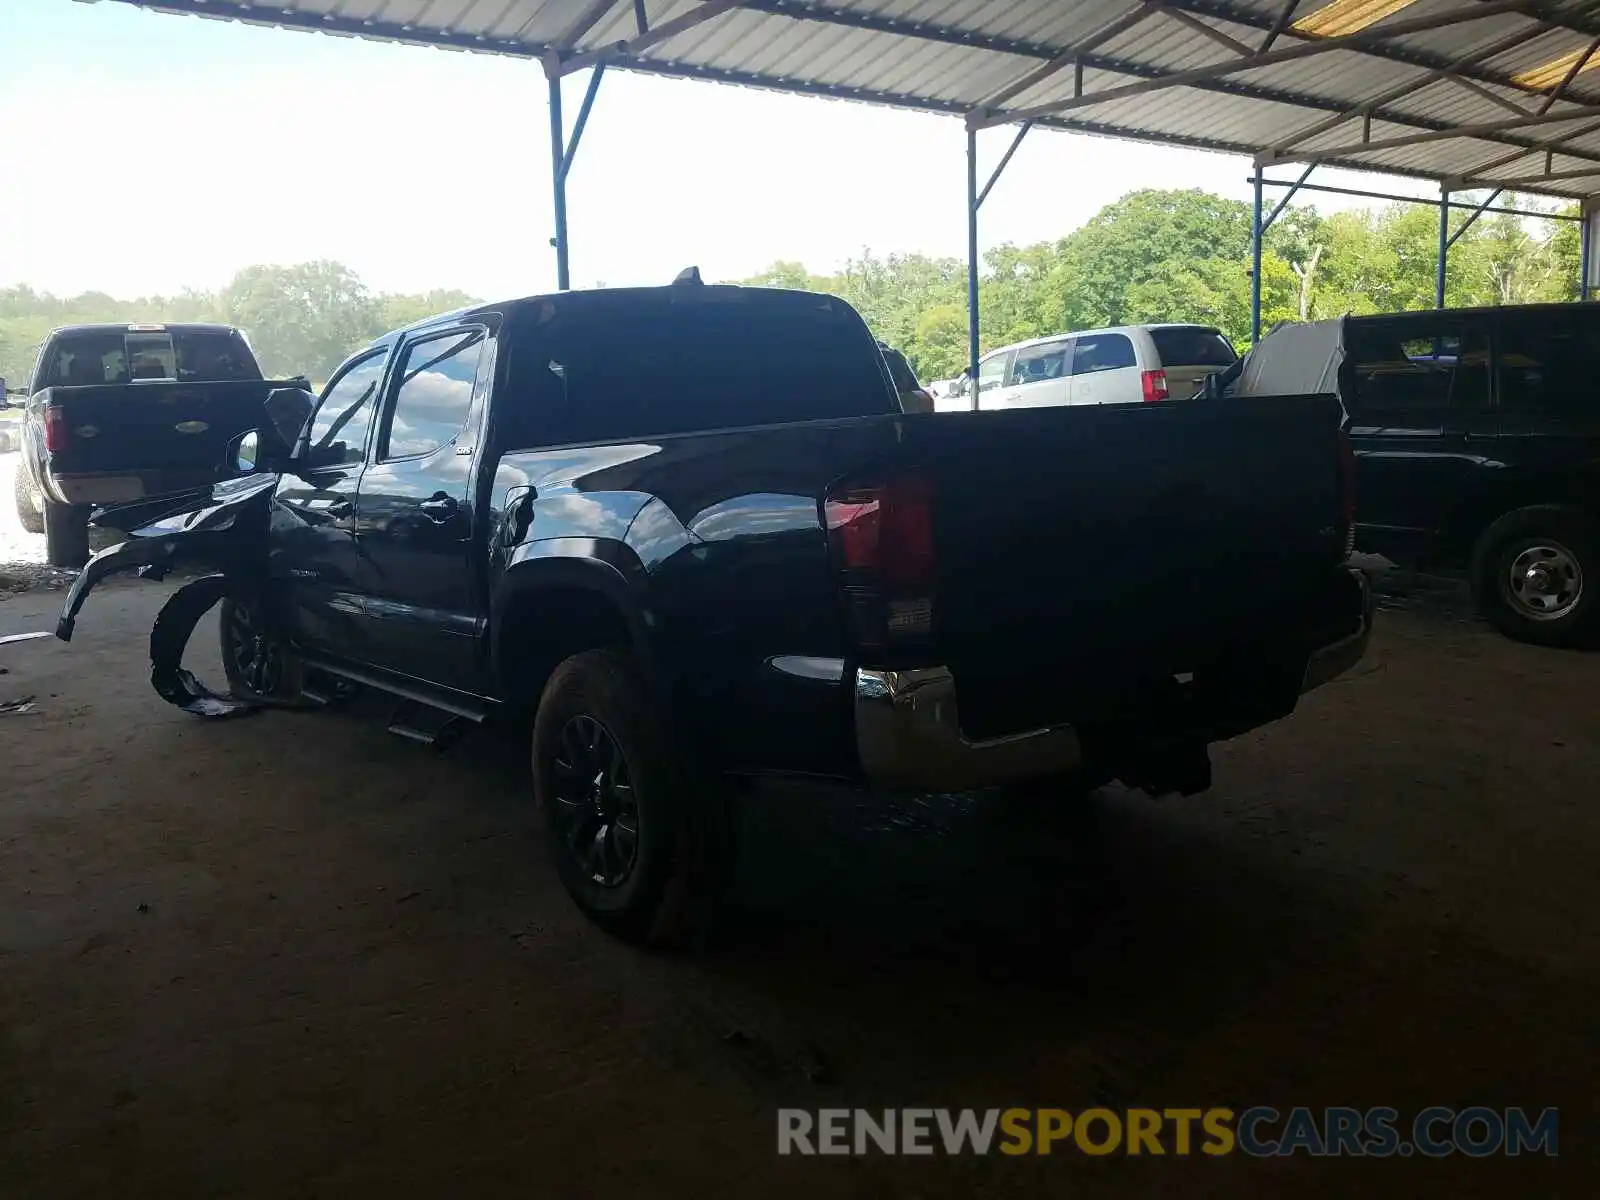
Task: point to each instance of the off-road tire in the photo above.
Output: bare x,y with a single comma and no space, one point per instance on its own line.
1571,531
684,841
66,534
281,676
30,504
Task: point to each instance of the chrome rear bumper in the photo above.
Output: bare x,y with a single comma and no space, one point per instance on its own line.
908,734
908,725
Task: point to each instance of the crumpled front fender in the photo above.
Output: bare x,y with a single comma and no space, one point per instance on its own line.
223,529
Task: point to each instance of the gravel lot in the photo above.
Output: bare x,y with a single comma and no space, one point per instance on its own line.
293,955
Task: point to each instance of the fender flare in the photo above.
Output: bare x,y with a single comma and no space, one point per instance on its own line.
607,568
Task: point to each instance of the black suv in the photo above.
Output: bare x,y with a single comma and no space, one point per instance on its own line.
1477,439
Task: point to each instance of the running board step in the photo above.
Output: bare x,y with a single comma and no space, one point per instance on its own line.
418,722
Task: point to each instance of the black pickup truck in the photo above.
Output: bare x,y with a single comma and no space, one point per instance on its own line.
1477,440
121,412
689,535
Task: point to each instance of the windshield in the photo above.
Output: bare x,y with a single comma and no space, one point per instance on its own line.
1192,346
117,357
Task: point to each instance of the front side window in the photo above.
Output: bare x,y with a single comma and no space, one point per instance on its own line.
992,371
344,418
1102,352
1039,363
434,393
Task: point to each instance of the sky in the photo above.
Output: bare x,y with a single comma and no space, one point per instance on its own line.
145,152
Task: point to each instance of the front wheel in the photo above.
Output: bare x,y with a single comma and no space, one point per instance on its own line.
258,663
1535,573
631,833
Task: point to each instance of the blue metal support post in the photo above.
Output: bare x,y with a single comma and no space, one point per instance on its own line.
975,199
1586,254
972,264
1444,248
1256,232
562,153
558,178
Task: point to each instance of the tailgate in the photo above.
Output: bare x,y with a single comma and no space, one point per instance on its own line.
172,431
1080,548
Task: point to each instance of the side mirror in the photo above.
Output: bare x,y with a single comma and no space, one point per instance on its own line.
247,452
288,409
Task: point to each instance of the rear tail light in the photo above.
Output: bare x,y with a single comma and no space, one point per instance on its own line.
1347,493
1154,385
55,429
883,539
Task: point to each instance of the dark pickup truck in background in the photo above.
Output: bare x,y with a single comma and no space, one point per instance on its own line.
120,412
1477,441
689,534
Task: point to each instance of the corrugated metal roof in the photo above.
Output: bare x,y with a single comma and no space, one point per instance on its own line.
1387,97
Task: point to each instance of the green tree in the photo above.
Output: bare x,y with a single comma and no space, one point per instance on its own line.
303,318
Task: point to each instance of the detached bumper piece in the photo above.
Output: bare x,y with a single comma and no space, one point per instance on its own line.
174,624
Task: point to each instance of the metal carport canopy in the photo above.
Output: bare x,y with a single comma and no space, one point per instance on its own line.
1470,93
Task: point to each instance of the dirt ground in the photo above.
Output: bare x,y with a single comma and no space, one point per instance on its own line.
293,955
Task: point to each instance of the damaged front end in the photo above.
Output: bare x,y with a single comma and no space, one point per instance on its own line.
223,529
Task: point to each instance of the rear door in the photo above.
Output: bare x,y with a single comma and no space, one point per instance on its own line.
1547,423
1105,370
1188,353
1040,376
1418,393
419,593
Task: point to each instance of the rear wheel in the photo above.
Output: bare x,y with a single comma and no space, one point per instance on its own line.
30,504
1535,573
635,837
66,534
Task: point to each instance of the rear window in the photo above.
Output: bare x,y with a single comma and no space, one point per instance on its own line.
1193,346
116,356
699,359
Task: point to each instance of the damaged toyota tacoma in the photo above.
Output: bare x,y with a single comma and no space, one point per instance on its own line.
688,536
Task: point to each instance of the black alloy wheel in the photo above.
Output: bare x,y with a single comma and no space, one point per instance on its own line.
596,812
254,659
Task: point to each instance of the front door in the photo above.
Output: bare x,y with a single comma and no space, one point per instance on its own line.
419,591
313,552
1418,394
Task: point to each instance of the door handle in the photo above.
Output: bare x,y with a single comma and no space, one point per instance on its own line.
439,509
339,509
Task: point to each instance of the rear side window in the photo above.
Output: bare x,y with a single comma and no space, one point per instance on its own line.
1192,346
692,360
1039,363
1396,368
1546,366
434,394
1102,352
